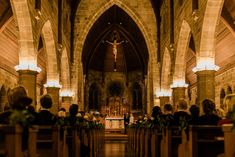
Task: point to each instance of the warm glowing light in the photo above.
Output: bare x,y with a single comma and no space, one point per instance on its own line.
38,14
53,84
28,66
179,83
163,93
66,93
205,64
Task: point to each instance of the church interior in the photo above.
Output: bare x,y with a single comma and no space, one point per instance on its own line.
119,60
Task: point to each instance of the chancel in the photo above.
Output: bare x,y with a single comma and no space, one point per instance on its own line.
146,78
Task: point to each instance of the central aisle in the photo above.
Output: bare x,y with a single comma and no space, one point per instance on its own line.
116,145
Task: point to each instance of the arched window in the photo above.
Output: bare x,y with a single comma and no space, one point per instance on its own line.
229,90
137,96
93,97
3,98
222,95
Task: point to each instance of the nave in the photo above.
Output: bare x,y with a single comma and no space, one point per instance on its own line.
116,145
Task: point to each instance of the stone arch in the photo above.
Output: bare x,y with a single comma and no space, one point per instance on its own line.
166,71
149,38
94,97
51,55
222,95
27,55
137,97
229,90
65,71
207,42
3,97
182,47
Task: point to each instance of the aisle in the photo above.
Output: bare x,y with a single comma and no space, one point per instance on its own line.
116,146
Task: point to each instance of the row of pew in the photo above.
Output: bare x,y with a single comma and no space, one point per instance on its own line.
50,141
195,141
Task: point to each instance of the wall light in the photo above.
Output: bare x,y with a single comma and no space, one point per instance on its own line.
205,66
27,66
179,83
53,83
66,93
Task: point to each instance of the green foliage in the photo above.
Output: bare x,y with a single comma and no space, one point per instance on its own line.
183,124
21,117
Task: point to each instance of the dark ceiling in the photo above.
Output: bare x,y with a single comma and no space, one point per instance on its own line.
132,54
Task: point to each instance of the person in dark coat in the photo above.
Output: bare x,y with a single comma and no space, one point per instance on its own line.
181,114
45,117
168,115
194,119
72,118
126,121
209,117
18,101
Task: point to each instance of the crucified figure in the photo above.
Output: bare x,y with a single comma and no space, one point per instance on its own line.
115,44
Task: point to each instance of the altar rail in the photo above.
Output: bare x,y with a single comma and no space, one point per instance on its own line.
196,141
53,141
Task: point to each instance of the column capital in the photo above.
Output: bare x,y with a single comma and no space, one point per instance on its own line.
179,84
27,67
205,66
53,84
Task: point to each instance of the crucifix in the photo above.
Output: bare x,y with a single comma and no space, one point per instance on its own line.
115,44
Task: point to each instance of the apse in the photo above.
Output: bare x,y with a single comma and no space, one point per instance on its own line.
98,52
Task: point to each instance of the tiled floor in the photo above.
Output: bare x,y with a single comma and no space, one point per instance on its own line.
116,149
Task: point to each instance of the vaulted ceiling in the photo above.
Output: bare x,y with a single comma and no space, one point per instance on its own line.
132,53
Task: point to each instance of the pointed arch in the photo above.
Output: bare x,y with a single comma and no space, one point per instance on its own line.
65,71
149,34
207,42
166,71
182,47
94,97
222,95
137,99
229,90
3,97
51,55
27,51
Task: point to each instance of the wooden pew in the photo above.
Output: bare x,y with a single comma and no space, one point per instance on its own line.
171,139
51,141
155,138
229,141
11,141
205,141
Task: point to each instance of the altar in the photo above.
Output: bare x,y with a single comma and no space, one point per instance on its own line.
114,124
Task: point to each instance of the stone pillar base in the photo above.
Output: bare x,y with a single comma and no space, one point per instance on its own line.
27,79
164,100
205,85
54,93
178,93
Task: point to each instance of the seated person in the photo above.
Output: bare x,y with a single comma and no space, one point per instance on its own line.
209,117
45,117
181,114
156,113
168,115
194,119
18,101
72,118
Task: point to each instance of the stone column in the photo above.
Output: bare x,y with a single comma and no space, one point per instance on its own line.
164,100
27,79
205,85
178,93
66,102
54,93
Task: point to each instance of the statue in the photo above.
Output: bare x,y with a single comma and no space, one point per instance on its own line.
115,44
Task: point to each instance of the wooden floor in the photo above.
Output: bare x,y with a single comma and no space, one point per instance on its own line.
116,145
